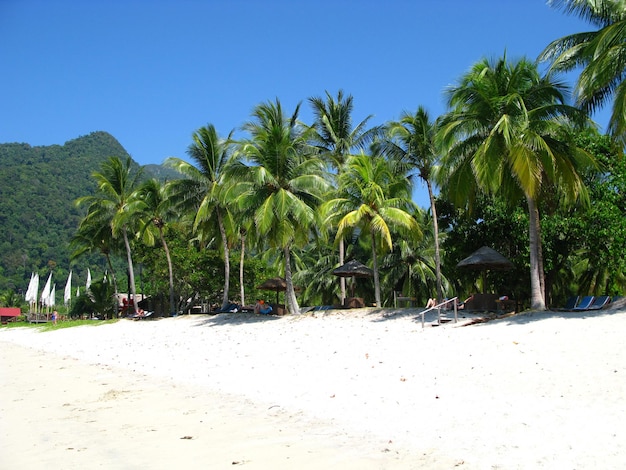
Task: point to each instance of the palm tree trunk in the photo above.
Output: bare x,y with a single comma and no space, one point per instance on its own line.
433,210
241,265
170,270
537,301
342,280
131,270
225,298
375,267
290,293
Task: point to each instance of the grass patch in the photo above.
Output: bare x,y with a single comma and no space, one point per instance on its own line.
50,326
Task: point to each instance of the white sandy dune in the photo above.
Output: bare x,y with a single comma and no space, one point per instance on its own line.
354,389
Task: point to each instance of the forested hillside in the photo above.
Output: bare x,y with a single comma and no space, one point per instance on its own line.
38,187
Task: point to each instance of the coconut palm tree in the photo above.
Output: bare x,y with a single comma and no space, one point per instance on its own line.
95,235
201,191
337,138
281,182
412,141
601,54
372,197
115,204
507,132
154,213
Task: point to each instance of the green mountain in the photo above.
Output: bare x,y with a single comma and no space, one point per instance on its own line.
38,187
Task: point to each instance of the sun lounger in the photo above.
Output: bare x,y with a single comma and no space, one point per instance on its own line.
599,302
570,304
584,303
140,316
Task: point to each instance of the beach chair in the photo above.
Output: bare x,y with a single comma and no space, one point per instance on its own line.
570,304
141,316
599,302
584,303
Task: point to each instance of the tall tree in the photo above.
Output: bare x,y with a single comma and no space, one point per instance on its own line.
154,212
115,203
282,182
413,142
201,191
373,197
337,138
507,132
96,235
601,54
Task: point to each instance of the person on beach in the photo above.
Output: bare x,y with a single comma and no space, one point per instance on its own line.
431,303
462,304
54,317
262,308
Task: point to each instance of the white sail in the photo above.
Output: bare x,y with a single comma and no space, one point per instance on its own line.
67,295
52,299
45,293
35,289
28,297
88,279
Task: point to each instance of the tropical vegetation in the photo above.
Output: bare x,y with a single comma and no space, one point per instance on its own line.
511,164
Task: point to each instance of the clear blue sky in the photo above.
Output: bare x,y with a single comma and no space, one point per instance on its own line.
152,72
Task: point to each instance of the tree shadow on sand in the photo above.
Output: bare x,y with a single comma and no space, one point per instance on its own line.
236,319
524,318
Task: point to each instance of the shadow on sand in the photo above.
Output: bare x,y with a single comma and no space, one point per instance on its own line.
235,319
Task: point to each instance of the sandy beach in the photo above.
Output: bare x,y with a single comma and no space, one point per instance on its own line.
352,389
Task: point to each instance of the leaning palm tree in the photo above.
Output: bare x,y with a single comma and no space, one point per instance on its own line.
336,137
601,54
508,132
201,191
153,213
372,197
115,203
281,183
412,141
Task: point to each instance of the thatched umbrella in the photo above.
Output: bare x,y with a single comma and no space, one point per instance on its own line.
484,259
353,269
277,284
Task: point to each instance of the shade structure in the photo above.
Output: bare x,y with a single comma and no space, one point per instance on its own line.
485,259
353,269
277,284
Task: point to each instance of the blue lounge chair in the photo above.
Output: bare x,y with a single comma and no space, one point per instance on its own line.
599,302
584,303
570,304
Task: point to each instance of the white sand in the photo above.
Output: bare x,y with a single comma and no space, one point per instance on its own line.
351,389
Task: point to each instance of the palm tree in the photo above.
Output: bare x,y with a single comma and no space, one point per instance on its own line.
96,235
115,204
413,264
507,132
154,212
336,137
413,142
281,183
372,197
601,54
201,190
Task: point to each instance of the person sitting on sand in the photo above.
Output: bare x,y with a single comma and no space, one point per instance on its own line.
462,304
262,308
431,303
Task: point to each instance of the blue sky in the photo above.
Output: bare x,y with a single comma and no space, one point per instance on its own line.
152,72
